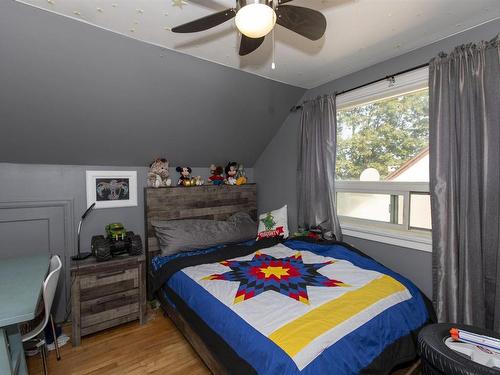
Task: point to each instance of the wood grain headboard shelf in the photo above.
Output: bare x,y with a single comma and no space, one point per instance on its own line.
197,202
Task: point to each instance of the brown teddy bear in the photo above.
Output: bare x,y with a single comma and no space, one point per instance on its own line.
158,174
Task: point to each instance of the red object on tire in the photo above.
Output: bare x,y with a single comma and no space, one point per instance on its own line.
438,359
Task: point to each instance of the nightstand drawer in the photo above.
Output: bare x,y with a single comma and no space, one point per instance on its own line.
117,312
108,302
108,277
103,284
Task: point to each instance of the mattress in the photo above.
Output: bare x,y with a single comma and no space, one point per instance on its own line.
295,307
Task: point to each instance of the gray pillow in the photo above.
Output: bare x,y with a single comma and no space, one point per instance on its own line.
185,235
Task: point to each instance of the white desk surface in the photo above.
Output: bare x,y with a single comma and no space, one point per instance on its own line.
21,281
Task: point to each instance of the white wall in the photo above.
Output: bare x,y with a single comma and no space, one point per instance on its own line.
418,172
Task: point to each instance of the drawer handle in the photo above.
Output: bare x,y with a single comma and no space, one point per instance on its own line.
109,274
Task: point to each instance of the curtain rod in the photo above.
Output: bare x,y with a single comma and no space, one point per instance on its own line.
295,108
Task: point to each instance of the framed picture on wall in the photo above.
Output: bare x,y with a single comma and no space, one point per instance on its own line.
109,189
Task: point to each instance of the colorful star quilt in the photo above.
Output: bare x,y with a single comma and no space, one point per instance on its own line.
289,276
303,302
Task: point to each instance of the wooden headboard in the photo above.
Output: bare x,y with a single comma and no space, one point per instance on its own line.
197,202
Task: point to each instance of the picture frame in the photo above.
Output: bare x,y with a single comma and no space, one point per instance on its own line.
111,189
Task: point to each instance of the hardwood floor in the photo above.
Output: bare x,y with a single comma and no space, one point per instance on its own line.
130,349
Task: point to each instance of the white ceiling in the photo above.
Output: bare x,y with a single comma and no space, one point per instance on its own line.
360,33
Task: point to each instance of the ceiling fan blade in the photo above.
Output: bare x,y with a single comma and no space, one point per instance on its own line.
205,23
249,45
304,21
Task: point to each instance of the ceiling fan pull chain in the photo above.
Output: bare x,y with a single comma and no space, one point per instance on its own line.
273,64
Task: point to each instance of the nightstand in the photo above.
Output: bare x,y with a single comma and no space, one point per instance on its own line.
106,294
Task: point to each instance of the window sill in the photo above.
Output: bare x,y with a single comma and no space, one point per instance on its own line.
408,239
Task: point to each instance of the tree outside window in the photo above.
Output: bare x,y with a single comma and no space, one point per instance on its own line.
386,141
384,135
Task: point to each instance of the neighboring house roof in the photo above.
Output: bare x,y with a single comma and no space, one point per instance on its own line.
423,153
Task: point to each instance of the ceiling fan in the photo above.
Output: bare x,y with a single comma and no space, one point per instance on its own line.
256,18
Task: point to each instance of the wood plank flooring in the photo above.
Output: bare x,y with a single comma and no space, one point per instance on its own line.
130,349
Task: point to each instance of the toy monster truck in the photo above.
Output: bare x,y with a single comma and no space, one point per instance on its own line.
117,242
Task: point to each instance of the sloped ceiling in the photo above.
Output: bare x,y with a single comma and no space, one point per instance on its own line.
74,94
360,33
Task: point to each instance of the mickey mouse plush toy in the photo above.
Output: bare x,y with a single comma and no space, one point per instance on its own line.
185,174
231,170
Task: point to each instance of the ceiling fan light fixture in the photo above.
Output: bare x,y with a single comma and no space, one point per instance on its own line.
255,20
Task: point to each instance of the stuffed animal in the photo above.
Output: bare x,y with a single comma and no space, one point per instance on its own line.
185,175
198,181
241,177
158,174
231,170
216,175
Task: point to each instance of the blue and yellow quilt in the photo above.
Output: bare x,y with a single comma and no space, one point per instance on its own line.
302,308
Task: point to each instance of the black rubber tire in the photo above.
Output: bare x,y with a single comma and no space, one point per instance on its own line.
437,358
102,250
135,247
94,240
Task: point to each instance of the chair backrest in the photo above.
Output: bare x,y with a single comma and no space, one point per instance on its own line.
49,291
50,283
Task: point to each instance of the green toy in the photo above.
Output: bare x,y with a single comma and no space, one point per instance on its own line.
268,221
118,242
116,231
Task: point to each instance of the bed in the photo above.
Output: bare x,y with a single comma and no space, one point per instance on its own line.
290,307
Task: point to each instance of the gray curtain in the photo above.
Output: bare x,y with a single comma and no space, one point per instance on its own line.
316,166
464,90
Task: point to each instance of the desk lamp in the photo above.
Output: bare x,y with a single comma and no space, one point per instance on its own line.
79,255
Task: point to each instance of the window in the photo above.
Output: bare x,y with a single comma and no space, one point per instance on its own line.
367,206
382,168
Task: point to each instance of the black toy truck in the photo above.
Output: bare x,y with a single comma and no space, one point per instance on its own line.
117,242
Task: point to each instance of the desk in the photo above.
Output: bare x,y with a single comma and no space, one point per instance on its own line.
20,288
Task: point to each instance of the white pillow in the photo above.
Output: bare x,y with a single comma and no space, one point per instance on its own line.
273,224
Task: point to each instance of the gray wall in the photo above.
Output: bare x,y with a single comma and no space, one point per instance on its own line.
413,264
276,166
41,205
75,94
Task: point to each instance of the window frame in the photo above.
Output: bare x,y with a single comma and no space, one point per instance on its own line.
392,233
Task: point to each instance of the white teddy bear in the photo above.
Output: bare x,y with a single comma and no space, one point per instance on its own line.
158,174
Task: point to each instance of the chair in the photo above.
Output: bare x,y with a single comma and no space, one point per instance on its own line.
49,291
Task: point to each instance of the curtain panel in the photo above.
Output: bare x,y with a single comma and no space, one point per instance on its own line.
316,166
464,94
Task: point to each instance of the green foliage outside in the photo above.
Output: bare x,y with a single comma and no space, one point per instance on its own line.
381,135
